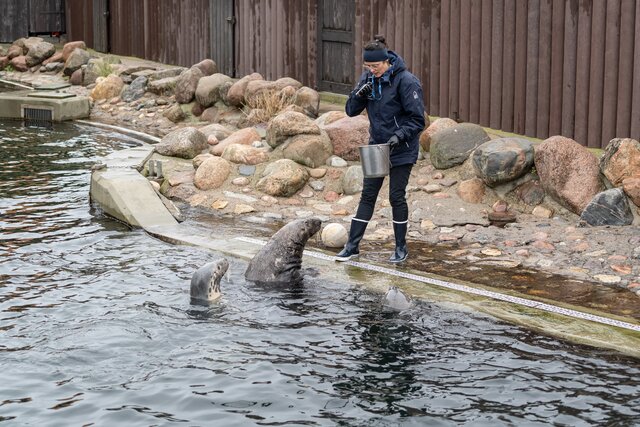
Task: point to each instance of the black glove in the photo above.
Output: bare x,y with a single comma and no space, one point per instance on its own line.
393,142
364,91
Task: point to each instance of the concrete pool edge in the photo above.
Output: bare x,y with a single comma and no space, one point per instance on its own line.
111,188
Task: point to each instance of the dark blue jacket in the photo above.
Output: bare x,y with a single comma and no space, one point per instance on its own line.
394,107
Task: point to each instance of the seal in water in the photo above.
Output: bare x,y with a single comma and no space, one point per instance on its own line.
279,261
205,282
396,299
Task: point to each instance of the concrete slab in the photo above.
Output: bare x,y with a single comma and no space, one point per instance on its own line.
13,105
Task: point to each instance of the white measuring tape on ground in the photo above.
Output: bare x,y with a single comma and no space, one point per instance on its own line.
470,290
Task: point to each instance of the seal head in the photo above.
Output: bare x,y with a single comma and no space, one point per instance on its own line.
395,299
279,261
205,282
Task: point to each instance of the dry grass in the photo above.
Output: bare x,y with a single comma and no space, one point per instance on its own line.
266,105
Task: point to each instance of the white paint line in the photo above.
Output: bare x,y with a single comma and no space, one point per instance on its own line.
470,290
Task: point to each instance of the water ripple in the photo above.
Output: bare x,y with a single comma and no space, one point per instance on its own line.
96,327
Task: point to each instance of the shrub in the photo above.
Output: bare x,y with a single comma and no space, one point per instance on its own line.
267,104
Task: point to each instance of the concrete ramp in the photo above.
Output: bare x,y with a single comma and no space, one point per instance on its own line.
123,193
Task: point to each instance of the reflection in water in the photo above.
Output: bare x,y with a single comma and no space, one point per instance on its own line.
97,328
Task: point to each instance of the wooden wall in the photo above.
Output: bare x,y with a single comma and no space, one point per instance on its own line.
533,67
277,38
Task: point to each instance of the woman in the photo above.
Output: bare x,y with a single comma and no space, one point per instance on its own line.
393,99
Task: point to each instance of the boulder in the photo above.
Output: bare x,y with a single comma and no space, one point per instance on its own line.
235,94
162,87
283,82
77,77
309,150
210,89
56,57
185,143
471,190
187,83
347,135
289,124
452,146
175,113
19,63
14,51
197,160
610,207
257,88
38,52
107,87
244,136
245,154
568,172
330,117
135,90
439,124
620,160
68,49
162,74
76,59
530,192
52,67
631,187
207,67
502,160
352,180
283,178
308,99
4,61
28,43
93,70
217,130
212,173
334,235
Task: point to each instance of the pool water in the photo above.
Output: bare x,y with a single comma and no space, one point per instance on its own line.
96,328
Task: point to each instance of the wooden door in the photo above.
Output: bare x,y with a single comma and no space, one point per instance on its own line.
101,25
335,38
221,31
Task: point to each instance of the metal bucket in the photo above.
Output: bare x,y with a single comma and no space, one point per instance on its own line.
375,160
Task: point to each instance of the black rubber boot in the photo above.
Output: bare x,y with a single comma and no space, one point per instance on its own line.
350,249
400,253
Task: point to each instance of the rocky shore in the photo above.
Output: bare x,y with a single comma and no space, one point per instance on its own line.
226,148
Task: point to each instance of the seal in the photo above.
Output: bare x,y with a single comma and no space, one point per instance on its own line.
279,261
205,282
395,299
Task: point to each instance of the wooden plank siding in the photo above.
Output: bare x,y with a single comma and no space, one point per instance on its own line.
277,38
534,67
15,20
79,16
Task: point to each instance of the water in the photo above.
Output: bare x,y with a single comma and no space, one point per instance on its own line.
96,328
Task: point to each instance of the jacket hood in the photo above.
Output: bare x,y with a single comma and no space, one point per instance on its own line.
397,65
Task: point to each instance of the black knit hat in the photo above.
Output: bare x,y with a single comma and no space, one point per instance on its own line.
376,51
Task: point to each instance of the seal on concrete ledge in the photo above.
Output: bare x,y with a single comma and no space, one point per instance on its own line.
205,282
279,261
